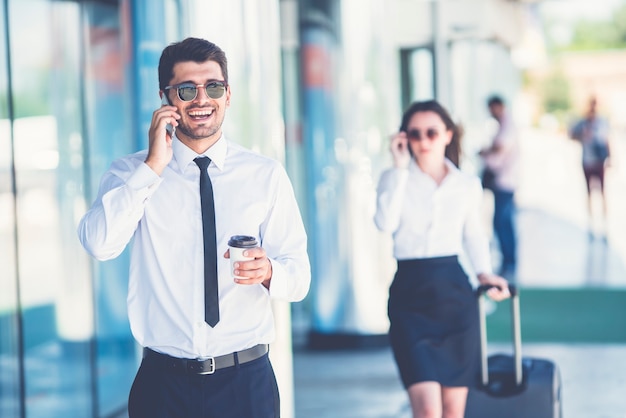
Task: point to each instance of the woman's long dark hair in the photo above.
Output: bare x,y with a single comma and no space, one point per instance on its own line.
453,149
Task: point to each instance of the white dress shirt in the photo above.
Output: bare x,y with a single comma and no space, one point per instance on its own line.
430,220
162,217
505,161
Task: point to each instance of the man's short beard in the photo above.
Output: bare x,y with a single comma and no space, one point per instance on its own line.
189,134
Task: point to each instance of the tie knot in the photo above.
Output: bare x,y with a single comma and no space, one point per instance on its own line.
203,162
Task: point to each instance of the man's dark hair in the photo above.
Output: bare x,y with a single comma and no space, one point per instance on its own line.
190,49
495,100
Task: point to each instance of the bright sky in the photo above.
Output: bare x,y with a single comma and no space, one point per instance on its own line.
566,12
575,9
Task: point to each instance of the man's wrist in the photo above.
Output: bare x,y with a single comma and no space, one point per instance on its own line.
268,274
157,168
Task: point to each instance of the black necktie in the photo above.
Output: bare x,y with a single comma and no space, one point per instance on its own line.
211,308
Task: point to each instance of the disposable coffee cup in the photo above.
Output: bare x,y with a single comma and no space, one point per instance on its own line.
237,244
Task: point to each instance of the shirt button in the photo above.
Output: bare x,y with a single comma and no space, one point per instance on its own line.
199,324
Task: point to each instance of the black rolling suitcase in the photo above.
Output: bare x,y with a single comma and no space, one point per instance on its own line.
512,386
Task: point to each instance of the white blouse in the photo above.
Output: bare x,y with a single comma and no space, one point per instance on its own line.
430,220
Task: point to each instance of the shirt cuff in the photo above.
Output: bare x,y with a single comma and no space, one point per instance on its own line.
278,283
144,181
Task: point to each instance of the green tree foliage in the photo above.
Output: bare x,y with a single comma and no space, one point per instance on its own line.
619,21
556,93
584,34
598,35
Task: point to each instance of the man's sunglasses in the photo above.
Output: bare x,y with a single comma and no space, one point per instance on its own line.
416,134
189,91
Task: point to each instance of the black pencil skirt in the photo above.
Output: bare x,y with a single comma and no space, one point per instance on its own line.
433,315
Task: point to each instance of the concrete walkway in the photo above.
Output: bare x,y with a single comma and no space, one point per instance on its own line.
365,383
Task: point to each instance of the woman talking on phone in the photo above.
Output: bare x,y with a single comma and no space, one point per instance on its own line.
433,211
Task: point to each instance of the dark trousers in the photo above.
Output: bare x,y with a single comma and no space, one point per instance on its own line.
246,390
504,228
597,171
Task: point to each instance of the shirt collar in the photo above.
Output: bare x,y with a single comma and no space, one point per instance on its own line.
453,171
185,155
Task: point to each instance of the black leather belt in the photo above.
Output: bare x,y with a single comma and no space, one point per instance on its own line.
205,366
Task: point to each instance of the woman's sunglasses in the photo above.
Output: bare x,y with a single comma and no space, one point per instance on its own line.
189,91
416,134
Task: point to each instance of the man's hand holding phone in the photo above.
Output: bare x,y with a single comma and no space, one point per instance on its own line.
400,150
169,128
162,128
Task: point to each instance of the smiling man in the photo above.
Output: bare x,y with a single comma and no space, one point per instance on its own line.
205,333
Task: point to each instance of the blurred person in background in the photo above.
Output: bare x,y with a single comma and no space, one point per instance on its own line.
592,131
501,176
198,364
433,211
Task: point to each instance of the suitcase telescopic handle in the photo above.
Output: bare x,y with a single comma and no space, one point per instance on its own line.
517,333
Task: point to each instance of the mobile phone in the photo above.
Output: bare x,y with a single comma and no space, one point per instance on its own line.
405,146
169,127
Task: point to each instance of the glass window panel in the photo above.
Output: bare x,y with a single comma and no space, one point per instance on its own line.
109,137
255,119
9,337
55,284
422,77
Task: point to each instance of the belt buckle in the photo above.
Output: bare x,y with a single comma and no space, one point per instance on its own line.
211,362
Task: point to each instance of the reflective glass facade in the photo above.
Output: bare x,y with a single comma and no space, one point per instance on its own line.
66,74
52,296
11,367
